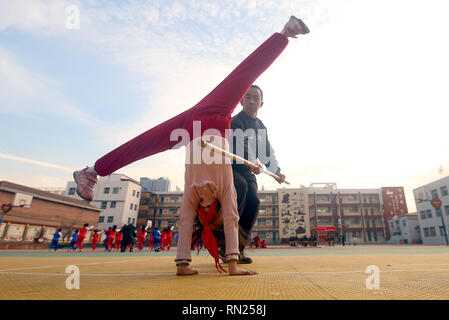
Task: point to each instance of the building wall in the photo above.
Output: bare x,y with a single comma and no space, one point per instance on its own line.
405,229
430,219
355,212
44,216
117,196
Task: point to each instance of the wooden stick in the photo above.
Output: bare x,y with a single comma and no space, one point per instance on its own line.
239,159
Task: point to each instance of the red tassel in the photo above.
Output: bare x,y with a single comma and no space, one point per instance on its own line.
208,237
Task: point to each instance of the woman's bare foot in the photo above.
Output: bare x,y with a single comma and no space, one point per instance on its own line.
234,270
185,270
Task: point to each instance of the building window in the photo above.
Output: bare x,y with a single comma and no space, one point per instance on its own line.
434,193
131,206
113,204
369,235
129,220
135,207
162,199
323,197
101,219
438,212
423,215
134,220
426,232
432,232
104,204
173,211
134,193
106,190
262,222
115,190
428,213
110,219
443,190
441,231
137,194
404,223
273,210
174,199
71,191
160,211
446,209
352,197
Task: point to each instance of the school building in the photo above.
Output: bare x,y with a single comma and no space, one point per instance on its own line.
117,196
37,214
434,222
362,215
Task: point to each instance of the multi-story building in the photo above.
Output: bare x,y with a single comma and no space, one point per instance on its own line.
434,223
161,208
117,195
155,185
356,213
361,214
405,229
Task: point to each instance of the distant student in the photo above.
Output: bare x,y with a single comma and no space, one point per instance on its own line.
141,236
82,236
156,239
111,237
167,238
95,238
118,239
105,242
73,242
129,238
56,237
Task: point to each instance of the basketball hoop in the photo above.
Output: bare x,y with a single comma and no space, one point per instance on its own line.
6,238
41,240
6,207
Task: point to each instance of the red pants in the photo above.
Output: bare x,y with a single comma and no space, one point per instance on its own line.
79,242
214,111
94,244
110,240
117,244
140,242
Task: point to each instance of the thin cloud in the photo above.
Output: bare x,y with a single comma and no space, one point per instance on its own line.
35,162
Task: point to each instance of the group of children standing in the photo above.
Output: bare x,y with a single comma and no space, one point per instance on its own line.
115,238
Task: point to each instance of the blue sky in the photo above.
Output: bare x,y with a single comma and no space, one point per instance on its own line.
361,101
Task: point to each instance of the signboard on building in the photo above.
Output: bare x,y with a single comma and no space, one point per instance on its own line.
293,213
393,199
394,204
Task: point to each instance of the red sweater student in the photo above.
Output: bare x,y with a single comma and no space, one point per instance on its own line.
111,237
167,236
82,236
95,238
141,236
118,239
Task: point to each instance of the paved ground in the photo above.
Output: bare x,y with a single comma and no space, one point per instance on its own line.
285,273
